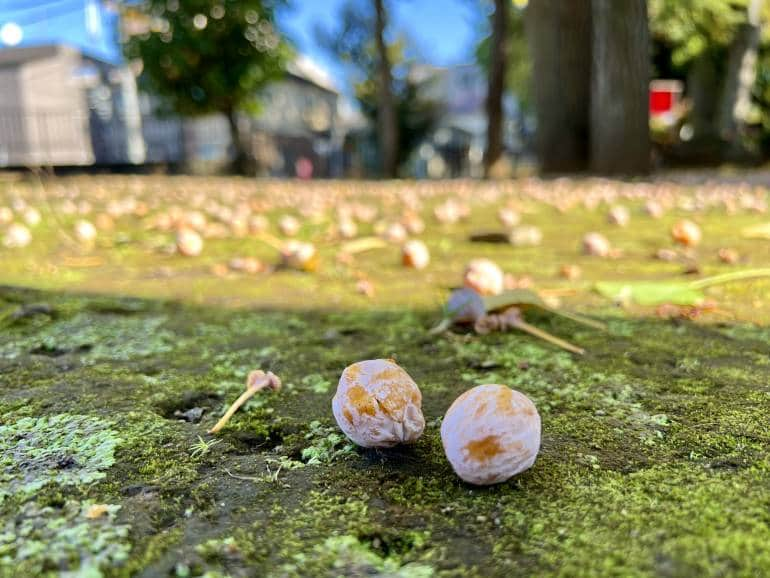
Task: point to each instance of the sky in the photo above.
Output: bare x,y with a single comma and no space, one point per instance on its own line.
444,32
82,23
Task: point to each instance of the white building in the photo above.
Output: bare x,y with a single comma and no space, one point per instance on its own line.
61,107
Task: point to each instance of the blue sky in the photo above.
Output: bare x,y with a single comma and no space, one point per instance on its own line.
444,32
81,23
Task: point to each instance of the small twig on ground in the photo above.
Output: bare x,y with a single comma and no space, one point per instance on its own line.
256,381
511,319
244,478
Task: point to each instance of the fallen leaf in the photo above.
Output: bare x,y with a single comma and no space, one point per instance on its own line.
650,292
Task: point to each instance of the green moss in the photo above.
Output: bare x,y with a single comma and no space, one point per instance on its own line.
672,521
63,541
654,458
327,444
96,337
347,556
61,449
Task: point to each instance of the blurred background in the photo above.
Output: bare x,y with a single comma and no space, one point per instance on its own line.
383,88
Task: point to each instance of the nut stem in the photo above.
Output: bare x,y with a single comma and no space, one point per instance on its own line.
545,336
256,381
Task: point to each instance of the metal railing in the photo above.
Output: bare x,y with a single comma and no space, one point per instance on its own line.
83,138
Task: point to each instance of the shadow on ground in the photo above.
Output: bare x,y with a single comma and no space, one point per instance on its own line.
654,458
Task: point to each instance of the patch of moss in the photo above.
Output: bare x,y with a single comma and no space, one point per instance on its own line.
96,337
662,521
327,444
62,449
63,541
653,406
347,556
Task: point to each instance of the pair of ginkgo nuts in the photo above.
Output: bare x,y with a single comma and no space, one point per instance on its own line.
490,433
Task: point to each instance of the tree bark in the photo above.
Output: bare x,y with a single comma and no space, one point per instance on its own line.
241,157
498,65
386,113
740,77
559,35
703,87
620,76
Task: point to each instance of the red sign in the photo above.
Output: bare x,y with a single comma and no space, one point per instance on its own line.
664,95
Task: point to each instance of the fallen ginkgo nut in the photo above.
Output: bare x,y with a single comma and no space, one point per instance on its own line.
378,404
490,434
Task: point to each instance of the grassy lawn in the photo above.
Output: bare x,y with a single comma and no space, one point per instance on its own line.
655,457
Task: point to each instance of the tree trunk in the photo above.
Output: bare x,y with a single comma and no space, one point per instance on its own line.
386,110
240,157
559,35
498,66
702,88
620,77
740,77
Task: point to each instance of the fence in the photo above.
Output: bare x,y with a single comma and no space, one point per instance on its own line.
73,138
101,137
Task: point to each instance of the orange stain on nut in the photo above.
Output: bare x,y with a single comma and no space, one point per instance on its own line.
504,398
399,394
484,449
353,372
360,399
392,374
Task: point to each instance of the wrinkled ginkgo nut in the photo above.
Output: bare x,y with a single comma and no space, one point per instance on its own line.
378,404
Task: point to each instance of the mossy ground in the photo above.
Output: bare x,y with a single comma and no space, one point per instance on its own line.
656,444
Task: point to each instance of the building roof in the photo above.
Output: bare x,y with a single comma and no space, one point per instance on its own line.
23,54
19,55
305,68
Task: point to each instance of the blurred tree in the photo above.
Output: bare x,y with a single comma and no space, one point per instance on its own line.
416,113
713,44
591,70
360,42
620,78
518,75
741,77
693,27
387,122
205,56
559,35
498,67
761,89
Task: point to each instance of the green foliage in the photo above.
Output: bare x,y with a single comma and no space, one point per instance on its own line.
327,445
761,94
674,292
202,447
65,449
650,292
692,27
205,56
518,77
65,541
416,113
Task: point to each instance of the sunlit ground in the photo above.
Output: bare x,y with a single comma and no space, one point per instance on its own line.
134,254
118,353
